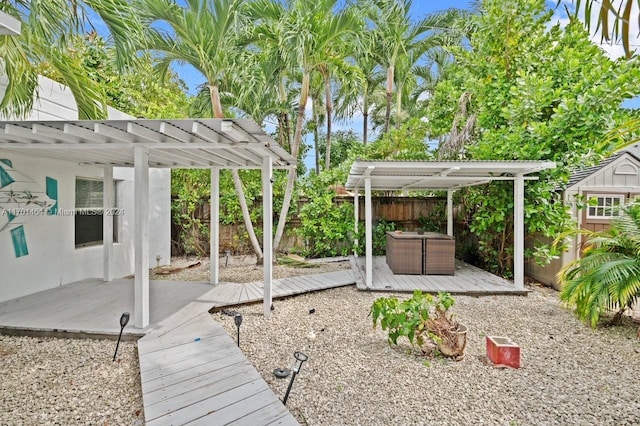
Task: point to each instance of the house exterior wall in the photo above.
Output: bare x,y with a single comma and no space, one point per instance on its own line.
52,258
621,177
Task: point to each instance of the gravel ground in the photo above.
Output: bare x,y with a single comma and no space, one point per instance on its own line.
570,373
47,381
240,269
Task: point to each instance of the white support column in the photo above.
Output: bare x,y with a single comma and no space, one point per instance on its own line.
356,209
450,212
368,233
267,228
214,227
107,223
518,232
141,236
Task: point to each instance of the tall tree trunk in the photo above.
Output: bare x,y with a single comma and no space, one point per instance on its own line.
387,114
295,146
315,145
215,101
329,108
399,88
365,114
237,183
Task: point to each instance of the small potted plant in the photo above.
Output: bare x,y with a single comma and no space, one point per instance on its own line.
422,318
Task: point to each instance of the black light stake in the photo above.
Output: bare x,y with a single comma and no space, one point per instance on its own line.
124,320
300,359
238,321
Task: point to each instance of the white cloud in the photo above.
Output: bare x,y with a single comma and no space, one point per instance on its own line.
614,47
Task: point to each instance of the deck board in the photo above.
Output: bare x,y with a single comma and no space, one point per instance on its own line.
201,380
468,279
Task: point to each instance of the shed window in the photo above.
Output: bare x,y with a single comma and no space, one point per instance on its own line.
608,206
89,211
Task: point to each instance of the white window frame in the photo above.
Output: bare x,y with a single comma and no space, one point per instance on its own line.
98,209
602,208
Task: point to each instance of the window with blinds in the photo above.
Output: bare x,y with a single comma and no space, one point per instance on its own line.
89,212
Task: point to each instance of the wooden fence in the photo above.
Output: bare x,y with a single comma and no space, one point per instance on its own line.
407,213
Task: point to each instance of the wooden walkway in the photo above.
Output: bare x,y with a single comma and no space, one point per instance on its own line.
230,294
467,280
192,372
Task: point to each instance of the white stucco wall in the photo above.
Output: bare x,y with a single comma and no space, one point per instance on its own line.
53,259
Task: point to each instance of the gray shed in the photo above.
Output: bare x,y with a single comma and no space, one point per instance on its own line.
612,182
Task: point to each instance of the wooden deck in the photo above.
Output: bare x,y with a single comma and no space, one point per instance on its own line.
193,373
190,369
92,308
467,280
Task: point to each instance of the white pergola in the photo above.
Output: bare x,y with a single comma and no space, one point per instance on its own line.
9,25
205,143
446,176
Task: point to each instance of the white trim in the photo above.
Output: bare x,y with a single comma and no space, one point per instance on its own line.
214,228
9,25
368,233
602,208
632,170
107,223
518,233
141,237
267,228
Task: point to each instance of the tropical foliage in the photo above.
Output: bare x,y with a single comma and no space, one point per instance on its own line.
607,276
47,27
500,82
527,95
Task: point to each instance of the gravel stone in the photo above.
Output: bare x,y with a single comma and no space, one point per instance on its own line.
48,381
242,269
570,373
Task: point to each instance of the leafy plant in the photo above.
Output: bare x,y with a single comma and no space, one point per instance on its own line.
607,276
422,316
325,223
380,236
531,100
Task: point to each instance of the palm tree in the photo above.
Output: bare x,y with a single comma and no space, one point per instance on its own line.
618,17
607,276
46,27
204,35
396,36
303,32
371,79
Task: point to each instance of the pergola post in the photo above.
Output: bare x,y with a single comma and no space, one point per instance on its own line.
518,232
368,233
450,212
214,228
141,235
107,223
356,210
267,227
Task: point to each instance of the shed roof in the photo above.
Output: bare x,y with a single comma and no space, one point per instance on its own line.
188,143
437,175
579,175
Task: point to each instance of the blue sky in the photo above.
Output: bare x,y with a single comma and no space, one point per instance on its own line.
419,8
